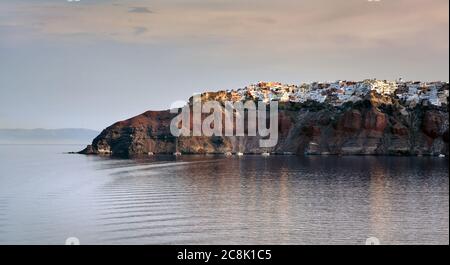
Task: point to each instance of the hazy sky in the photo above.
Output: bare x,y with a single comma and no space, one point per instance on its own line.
91,63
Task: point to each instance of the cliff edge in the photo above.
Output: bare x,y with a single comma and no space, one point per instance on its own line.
369,117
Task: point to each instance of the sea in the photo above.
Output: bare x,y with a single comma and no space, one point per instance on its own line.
48,196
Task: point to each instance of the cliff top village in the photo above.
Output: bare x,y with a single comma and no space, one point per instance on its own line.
337,93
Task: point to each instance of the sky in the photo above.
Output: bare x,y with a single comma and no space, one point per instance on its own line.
90,63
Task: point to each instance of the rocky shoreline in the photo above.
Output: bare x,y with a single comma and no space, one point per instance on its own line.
369,117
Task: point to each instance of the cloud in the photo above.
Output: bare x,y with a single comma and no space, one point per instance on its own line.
140,30
140,9
284,26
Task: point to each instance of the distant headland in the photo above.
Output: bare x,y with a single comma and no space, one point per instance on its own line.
47,136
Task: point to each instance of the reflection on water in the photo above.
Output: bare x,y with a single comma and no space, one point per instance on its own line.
47,196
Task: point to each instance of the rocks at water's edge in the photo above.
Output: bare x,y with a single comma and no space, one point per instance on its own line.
344,118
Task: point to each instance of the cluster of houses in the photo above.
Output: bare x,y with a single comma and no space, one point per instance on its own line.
339,92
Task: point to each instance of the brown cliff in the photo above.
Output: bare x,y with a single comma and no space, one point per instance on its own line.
375,125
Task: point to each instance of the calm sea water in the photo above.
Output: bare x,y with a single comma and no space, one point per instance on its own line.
47,196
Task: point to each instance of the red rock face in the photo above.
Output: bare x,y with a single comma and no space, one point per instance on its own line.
432,123
373,127
399,130
284,124
351,121
375,120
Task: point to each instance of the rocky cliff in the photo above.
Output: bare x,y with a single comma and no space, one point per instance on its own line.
344,118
